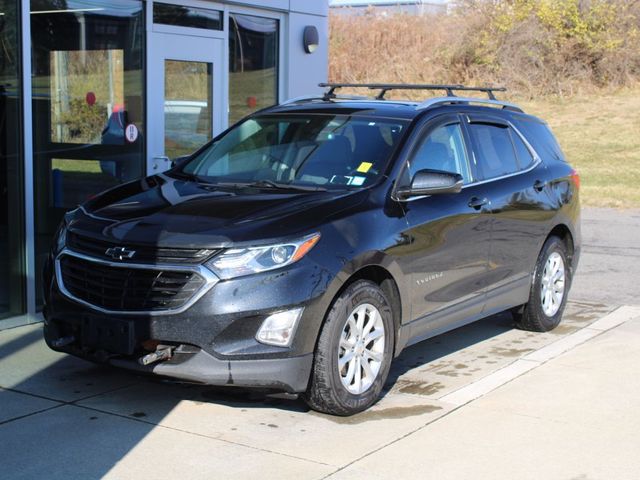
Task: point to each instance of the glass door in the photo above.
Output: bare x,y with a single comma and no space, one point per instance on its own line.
185,96
11,181
87,85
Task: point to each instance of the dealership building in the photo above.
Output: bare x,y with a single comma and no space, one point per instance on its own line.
94,93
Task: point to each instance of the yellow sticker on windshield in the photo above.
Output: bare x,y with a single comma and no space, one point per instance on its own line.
365,167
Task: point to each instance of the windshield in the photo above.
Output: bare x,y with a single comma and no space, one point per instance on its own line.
328,151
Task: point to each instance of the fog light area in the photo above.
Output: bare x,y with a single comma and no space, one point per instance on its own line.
278,329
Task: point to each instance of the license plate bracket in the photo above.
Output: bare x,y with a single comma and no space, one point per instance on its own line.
109,334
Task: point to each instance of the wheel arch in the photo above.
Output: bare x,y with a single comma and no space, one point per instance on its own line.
383,278
563,232
387,275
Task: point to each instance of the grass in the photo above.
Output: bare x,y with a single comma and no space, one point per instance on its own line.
600,136
84,166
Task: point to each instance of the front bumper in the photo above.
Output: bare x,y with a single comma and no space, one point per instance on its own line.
214,339
280,374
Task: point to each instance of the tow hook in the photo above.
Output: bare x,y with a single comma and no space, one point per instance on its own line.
63,342
162,353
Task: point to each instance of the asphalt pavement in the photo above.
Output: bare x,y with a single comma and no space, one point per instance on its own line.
609,270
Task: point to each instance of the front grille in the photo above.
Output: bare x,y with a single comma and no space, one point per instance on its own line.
122,288
143,253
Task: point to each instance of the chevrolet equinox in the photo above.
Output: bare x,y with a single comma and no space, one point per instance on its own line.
302,249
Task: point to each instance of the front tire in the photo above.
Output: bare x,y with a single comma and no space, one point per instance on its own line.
549,290
354,351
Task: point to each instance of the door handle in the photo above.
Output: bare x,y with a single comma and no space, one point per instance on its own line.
477,203
539,185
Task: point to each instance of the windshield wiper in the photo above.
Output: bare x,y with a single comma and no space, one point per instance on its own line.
277,186
266,184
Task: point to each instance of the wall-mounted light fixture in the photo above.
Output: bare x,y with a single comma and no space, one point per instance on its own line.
310,39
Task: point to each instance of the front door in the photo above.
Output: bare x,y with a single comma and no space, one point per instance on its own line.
185,96
450,234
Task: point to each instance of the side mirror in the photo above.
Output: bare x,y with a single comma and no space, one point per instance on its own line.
179,160
432,182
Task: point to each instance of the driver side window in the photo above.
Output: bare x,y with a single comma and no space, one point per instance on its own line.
442,149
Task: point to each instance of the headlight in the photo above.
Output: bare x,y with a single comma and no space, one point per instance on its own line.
61,237
245,261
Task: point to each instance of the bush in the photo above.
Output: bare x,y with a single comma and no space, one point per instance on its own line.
533,46
83,123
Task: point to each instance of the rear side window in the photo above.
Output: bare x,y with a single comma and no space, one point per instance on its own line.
494,149
539,135
525,156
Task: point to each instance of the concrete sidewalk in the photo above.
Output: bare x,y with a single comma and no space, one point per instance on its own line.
485,401
577,416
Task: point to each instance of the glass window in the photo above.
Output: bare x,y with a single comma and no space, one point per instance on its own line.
180,16
494,149
332,151
542,139
525,158
80,105
187,106
88,80
253,64
11,180
443,149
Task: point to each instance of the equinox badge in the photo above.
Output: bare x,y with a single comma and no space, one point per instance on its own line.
120,253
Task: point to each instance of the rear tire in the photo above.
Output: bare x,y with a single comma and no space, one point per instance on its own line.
354,351
549,289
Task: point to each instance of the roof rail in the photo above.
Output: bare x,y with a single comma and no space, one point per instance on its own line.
386,87
318,97
435,102
301,99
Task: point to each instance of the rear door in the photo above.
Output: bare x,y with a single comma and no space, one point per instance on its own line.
450,233
516,180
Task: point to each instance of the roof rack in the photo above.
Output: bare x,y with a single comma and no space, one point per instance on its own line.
450,99
386,87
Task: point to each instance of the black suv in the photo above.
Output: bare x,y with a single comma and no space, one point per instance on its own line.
305,247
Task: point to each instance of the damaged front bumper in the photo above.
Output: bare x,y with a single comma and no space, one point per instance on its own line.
193,364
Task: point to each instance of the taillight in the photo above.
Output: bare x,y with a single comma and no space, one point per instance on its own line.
575,178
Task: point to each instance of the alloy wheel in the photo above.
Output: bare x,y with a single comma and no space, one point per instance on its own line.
553,284
361,349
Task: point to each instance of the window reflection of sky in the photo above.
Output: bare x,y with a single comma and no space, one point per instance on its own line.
95,7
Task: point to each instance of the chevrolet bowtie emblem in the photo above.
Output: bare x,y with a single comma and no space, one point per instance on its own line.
120,253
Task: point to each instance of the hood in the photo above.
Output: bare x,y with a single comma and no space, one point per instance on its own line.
169,212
